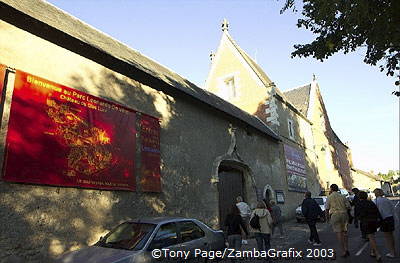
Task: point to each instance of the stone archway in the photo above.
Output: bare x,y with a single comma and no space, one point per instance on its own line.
233,162
268,193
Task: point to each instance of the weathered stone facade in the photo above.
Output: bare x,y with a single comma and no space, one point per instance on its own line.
199,133
235,77
333,157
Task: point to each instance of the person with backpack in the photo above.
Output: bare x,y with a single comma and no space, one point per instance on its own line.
311,211
369,216
261,224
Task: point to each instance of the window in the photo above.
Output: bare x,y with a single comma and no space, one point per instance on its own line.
166,236
230,86
130,236
319,201
291,129
190,231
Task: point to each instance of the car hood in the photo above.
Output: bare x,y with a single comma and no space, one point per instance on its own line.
96,254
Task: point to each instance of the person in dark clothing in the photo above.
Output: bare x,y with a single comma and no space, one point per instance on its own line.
368,214
355,202
233,225
311,211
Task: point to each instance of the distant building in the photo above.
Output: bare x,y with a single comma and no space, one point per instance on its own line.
368,181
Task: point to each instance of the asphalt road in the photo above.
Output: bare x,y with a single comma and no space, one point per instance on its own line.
329,251
359,250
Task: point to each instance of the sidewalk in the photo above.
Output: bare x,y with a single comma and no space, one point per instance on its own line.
293,233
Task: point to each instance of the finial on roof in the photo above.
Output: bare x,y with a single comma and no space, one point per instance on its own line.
314,78
212,55
225,25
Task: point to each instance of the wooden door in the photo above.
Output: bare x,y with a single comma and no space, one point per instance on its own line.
230,186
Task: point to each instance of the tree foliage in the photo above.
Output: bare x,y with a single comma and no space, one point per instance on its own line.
345,25
391,175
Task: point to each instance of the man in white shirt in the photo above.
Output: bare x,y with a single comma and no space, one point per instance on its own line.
245,212
386,209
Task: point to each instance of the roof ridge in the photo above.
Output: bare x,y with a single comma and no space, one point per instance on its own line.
259,71
116,40
298,87
92,44
250,61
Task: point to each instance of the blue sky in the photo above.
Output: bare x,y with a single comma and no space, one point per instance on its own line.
180,34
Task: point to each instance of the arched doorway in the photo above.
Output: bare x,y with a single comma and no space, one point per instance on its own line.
230,186
267,196
268,193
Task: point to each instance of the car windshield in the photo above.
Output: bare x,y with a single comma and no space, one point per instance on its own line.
320,201
129,236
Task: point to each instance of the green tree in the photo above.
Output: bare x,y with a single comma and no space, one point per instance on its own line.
345,25
391,176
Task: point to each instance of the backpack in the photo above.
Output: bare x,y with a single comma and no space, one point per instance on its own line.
255,222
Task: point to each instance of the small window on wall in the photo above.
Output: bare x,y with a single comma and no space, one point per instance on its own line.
291,129
230,86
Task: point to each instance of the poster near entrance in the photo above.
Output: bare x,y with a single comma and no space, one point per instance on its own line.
296,169
60,136
150,163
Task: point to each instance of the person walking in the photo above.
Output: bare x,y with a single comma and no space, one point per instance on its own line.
311,211
276,218
245,212
336,213
354,203
233,227
369,216
386,209
263,232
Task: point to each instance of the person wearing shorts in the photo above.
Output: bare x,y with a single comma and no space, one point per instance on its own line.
336,213
386,209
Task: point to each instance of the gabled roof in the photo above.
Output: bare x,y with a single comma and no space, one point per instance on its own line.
300,98
52,24
370,175
264,78
254,66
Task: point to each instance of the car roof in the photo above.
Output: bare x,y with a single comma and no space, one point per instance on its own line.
158,220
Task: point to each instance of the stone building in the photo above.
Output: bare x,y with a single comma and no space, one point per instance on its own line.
367,181
56,50
298,115
236,77
333,157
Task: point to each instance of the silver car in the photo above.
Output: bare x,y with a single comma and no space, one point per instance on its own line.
134,241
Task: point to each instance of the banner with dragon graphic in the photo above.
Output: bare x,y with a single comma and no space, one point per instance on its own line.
61,136
150,154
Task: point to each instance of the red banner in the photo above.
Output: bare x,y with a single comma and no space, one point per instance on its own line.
3,69
150,161
61,136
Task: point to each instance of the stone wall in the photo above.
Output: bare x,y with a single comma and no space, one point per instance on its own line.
40,222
